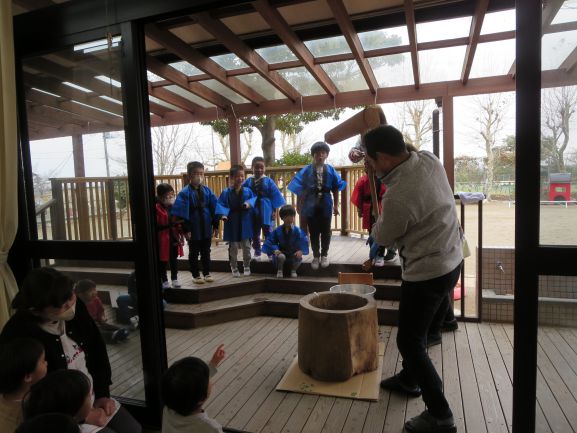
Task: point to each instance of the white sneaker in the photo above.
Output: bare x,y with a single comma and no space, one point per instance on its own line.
324,262
294,274
279,274
198,280
165,285
379,262
315,263
257,258
208,278
235,273
247,272
134,322
176,284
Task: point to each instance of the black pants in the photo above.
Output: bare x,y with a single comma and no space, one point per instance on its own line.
419,310
195,248
172,262
320,230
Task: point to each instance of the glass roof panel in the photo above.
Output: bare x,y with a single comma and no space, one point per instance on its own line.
261,86
495,22
392,37
555,47
224,91
328,46
493,58
567,13
164,104
188,95
443,64
229,61
186,68
394,70
346,75
302,80
443,29
108,80
152,77
276,54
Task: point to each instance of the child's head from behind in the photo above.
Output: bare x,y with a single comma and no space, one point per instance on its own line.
85,290
236,176
165,194
62,391
195,172
320,152
49,423
186,385
258,166
287,214
22,364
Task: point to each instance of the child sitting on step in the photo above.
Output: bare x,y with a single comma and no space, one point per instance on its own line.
287,243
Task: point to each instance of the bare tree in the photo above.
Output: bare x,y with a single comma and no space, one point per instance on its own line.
492,111
171,147
558,108
416,121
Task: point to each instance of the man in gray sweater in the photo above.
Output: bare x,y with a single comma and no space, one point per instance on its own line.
421,222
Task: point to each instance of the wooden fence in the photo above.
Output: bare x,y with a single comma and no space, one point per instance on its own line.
98,208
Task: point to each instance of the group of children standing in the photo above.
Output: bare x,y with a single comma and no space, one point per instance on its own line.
247,207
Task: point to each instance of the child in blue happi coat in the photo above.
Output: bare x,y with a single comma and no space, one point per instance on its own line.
287,243
314,185
235,206
196,206
269,198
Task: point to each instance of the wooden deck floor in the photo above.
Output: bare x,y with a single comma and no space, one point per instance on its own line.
475,363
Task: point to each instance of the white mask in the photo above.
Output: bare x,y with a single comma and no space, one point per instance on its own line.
168,201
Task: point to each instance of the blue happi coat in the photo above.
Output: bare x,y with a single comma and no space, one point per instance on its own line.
238,226
288,245
305,184
199,215
268,199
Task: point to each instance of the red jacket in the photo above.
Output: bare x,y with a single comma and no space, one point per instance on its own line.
361,198
167,234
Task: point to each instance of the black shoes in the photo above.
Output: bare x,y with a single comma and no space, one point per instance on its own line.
427,423
434,340
450,326
390,255
395,384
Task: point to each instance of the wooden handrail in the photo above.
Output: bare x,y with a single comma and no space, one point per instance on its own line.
44,206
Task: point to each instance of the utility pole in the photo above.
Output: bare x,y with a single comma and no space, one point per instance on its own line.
105,136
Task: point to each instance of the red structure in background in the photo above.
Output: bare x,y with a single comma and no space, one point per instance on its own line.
560,187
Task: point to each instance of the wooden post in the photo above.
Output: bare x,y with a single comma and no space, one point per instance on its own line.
81,193
57,211
111,202
344,205
234,137
448,140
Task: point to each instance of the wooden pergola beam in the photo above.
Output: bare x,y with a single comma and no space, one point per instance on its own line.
174,99
412,31
292,41
474,33
345,24
54,86
247,54
83,111
181,80
177,46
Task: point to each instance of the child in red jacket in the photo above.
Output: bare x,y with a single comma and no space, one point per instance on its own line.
169,235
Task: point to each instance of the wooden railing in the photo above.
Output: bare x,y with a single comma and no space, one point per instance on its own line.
97,208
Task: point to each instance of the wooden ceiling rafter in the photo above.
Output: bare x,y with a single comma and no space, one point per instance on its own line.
213,70
52,85
246,54
348,30
295,44
474,34
412,32
181,80
173,99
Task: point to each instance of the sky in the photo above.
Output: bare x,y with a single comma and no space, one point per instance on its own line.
53,158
